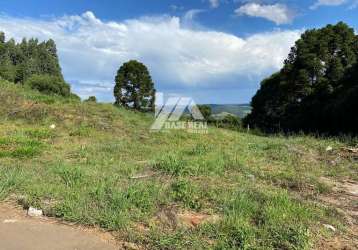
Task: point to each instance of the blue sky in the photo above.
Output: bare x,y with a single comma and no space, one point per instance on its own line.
216,51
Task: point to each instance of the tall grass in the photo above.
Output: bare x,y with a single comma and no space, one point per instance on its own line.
82,171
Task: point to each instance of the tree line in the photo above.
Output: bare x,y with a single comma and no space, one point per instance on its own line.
316,91
32,63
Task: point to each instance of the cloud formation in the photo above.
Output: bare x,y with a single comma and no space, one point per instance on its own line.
352,4
214,3
190,15
277,13
327,3
91,50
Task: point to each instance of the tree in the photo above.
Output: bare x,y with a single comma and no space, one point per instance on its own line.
268,109
19,61
134,87
303,95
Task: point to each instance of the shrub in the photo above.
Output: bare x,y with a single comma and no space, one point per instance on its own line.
228,121
49,85
75,97
91,99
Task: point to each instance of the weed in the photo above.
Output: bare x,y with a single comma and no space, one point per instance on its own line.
10,178
19,147
71,176
185,192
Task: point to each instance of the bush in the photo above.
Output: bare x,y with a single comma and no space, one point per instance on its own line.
49,85
91,99
229,121
75,97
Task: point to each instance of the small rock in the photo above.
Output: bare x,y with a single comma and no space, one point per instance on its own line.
329,148
33,212
333,163
52,126
330,227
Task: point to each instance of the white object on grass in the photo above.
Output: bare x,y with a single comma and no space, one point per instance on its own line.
33,212
330,227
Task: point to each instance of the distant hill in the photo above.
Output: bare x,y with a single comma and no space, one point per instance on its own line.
240,110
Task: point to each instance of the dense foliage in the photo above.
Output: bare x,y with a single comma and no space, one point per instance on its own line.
34,64
48,84
134,87
19,61
227,121
316,90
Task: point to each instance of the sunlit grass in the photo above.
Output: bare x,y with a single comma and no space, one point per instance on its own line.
83,169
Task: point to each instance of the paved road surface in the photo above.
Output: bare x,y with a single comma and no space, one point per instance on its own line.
20,232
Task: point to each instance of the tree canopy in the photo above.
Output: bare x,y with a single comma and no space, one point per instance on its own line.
19,61
316,90
34,64
134,87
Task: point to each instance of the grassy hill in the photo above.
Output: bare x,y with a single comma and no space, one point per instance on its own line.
100,166
240,110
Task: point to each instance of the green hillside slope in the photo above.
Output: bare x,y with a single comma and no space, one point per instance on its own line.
99,165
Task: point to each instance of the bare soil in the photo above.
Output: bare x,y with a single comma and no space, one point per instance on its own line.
345,199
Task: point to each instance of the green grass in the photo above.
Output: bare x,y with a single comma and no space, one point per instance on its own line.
261,188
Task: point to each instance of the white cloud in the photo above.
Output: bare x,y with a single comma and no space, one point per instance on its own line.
328,3
91,50
353,5
174,7
190,15
277,13
214,3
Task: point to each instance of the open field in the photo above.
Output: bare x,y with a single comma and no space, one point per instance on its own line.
100,166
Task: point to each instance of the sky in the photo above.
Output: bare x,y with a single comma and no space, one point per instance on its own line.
215,51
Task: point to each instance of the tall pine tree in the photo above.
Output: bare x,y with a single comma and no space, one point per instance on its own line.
313,77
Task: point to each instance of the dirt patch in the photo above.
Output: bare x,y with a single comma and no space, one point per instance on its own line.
337,243
172,218
345,199
191,219
19,231
335,157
